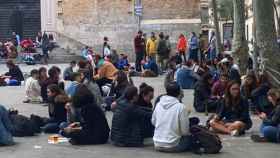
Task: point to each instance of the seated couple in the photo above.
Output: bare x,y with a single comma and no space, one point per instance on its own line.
82,120
168,123
13,77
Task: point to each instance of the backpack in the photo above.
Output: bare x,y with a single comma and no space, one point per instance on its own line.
205,141
23,126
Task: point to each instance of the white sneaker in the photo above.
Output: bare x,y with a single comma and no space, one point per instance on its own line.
234,133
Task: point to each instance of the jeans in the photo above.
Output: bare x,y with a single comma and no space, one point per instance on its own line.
139,58
184,56
6,128
184,145
194,55
271,133
212,54
52,127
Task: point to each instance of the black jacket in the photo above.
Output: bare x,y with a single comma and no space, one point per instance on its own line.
162,48
234,75
15,73
127,124
241,113
273,119
95,128
202,92
57,111
44,87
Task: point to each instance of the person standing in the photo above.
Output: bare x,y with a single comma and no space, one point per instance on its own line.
151,46
193,47
182,46
106,48
45,48
212,47
16,39
162,52
139,45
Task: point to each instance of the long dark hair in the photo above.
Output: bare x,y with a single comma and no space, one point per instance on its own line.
54,88
123,79
83,97
229,100
248,88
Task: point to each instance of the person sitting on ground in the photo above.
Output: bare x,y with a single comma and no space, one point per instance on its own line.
232,117
43,74
114,57
93,127
86,68
234,72
14,72
120,84
57,112
33,88
270,127
171,133
6,128
128,121
150,68
202,95
76,80
52,79
219,87
171,71
106,73
185,76
259,95
146,96
69,70
123,63
249,84
93,87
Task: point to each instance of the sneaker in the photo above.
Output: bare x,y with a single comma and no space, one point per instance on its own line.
235,133
258,138
26,101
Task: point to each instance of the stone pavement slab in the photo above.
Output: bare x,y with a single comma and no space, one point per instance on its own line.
38,147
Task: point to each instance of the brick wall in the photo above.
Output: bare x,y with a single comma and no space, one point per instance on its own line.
88,21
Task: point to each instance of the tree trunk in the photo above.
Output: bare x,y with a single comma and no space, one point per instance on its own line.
277,17
240,45
255,46
217,28
266,35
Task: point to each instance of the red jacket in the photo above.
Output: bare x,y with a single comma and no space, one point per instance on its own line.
182,44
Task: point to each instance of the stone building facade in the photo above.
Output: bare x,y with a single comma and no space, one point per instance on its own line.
86,22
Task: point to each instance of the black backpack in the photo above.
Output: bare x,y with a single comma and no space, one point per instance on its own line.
24,126
205,141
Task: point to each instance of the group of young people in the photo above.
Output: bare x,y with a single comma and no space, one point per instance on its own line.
76,111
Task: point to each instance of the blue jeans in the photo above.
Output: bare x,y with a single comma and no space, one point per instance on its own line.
6,128
212,54
52,127
184,145
271,133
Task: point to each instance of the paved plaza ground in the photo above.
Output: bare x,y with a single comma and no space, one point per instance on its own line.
38,147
